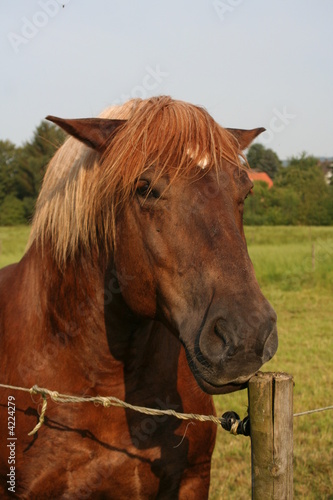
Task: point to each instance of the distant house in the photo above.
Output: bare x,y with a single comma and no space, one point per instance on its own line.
327,167
260,176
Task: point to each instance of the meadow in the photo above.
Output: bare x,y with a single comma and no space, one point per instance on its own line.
13,240
294,266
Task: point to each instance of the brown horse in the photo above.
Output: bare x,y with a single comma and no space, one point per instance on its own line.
137,284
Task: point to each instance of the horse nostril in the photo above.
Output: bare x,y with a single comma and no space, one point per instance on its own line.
271,344
273,317
220,331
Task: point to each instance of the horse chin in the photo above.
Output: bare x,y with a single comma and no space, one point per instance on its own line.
212,385
224,388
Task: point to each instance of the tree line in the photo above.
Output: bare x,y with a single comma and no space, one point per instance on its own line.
300,193
22,170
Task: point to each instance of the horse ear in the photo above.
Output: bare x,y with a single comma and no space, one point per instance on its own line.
245,137
94,132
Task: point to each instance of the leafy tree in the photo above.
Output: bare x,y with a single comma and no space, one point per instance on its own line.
8,154
22,170
299,195
257,204
304,176
264,160
12,211
329,203
284,207
34,157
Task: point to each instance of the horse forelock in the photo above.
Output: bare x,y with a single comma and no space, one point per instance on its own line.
82,191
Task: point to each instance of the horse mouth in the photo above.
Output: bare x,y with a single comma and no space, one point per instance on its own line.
214,384
225,388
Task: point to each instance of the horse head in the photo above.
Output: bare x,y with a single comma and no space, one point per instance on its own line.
179,186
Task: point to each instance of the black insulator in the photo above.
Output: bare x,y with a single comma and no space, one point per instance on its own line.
231,422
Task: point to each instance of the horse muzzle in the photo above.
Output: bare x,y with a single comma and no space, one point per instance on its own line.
226,352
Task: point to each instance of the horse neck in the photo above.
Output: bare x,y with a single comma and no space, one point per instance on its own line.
81,315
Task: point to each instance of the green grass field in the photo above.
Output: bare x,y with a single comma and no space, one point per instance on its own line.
301,292
13,241
294,267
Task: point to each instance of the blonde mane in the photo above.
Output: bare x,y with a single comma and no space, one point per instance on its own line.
82,191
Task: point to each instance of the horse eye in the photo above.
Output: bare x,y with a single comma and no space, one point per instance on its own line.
144,190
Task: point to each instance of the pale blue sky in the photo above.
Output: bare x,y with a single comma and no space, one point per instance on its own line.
249,62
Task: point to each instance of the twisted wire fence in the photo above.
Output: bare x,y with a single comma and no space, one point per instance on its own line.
107,401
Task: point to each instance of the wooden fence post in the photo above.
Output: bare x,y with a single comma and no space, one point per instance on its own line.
271,418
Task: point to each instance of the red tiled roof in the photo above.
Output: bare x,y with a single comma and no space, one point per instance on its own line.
261,176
